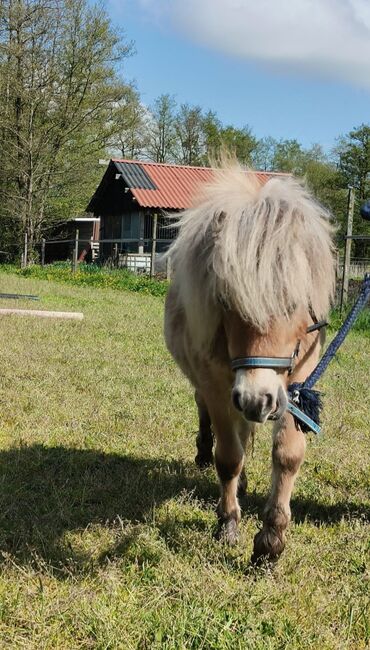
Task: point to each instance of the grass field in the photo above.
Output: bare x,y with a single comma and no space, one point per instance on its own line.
106,525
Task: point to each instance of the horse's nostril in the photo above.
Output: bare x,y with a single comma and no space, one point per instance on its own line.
269,401
236,400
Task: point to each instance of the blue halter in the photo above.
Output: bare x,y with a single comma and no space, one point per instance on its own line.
285,363
303,401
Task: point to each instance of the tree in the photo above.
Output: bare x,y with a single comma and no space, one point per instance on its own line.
212,137
189,128
240,142
58,92
289,157
132,122
320,174
353,152
353,158
325,182
218,137
161,132
264,153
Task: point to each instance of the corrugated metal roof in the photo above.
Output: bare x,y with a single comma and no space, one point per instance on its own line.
134,175
175,185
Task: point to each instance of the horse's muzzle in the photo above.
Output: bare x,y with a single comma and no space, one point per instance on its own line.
261,407
281,404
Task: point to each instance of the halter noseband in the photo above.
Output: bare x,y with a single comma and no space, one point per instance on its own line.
285,363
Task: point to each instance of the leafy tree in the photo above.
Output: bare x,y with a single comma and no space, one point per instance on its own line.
264,153
353,158
325,182
212,127
289,157
58,92
239,141
131,118
353,152
189,128
321,175
218,137
161,132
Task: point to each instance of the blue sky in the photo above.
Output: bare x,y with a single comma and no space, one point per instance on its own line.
301,74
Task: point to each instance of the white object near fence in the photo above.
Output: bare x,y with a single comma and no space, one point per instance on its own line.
71,315
135,262
356,269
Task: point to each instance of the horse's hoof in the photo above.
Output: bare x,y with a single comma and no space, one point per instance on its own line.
228,532
204,459
267,547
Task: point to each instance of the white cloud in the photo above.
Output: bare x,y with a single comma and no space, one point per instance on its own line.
321,38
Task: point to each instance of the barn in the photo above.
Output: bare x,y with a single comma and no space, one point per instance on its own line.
135,201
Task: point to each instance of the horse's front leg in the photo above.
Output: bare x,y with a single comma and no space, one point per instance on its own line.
204,439
229,461
287,456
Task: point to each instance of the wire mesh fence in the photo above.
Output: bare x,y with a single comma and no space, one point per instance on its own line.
146,255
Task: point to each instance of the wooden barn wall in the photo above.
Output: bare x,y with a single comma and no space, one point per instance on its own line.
122,218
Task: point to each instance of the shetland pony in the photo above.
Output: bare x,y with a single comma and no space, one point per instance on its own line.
253,267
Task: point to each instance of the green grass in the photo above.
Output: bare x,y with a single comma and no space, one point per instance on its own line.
362,323
91,275
106,525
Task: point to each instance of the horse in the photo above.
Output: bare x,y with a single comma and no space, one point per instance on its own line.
252,269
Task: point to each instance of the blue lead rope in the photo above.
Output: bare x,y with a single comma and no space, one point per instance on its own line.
304,402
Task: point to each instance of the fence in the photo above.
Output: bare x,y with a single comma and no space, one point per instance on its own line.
357,268
148,254
114,253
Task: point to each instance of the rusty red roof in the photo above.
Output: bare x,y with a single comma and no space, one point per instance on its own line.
159,185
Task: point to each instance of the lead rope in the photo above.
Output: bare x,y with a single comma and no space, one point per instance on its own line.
305,403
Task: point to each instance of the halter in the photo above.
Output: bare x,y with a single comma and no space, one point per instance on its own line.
284,363
303,401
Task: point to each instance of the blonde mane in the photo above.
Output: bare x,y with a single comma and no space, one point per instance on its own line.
262,250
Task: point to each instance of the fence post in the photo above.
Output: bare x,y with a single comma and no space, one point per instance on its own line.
115,256
24,257
75,253
154,245
337,266
347,250
43,245
140,249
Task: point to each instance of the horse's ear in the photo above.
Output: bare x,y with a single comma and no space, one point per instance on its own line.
213,230
217,222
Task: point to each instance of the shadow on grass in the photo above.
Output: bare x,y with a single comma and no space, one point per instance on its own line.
46,491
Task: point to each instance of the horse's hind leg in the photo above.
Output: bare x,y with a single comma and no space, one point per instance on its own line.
204,440
246,430
287,455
